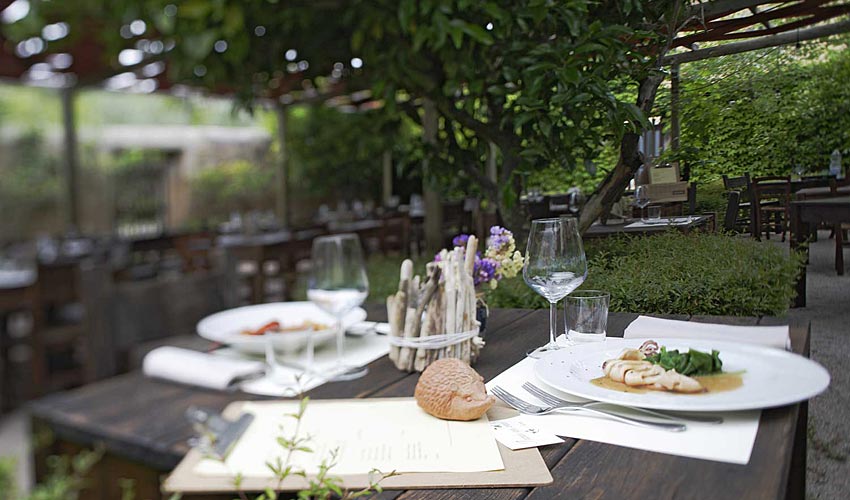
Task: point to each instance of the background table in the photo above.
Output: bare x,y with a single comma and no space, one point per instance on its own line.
140,423
806,215
598,230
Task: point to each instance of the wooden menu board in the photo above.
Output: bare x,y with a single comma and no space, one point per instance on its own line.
521,468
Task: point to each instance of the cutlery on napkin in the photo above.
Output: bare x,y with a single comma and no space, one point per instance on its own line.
658,328
368,328
201,369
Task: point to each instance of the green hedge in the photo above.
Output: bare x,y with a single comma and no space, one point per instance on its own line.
712,274
670,273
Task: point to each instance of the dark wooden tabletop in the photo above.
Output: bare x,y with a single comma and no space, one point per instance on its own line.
142,420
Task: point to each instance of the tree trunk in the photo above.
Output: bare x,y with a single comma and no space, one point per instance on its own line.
511,215
610,190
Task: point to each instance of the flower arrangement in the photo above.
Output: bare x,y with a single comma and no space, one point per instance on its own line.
501,258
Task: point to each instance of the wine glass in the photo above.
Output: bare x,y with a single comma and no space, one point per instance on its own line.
642,199
555,265
338,284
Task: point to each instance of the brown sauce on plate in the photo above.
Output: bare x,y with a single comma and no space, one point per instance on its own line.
721,382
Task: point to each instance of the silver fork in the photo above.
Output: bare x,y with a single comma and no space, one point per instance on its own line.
530,409
551,399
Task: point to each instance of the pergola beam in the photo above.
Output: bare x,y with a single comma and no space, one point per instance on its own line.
759,43
705,11
799,15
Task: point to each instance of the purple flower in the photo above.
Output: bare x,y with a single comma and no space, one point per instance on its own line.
460,240
484,270
499,237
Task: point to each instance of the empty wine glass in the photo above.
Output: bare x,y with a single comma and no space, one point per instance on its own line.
555,265
337,285
642,200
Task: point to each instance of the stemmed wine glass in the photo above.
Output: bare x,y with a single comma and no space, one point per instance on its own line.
642,200
338,284
555,265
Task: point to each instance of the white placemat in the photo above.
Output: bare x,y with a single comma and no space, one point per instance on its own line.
658,328
664,222
732,441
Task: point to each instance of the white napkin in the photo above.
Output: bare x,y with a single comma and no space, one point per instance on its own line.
657,328
732,441
198,368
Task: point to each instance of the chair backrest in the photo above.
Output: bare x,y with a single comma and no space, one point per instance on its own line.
772,187
741,183
732,205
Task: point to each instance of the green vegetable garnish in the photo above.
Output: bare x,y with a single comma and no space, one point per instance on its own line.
691,363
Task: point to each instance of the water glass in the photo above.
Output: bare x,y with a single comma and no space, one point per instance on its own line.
338,284
586,315
654,214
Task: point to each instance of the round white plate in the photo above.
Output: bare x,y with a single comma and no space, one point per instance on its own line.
226,326
771,377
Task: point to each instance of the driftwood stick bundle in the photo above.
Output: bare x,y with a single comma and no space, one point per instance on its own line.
397,305
444,304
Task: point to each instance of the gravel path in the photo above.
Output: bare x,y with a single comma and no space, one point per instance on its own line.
828,308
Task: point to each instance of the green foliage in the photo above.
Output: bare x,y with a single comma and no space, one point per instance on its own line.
8,487
711,197
709,274
765,112
533,78
235,186
339,155
33,181
670,273
65,480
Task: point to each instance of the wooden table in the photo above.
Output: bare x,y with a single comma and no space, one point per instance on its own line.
820,192
806,215
598,230
140,423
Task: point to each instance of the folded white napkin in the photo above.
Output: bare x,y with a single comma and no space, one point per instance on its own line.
732,441
198,368
649,327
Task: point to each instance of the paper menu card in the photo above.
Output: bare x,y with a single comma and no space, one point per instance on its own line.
385,434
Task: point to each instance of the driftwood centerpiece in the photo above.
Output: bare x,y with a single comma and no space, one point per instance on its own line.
435,317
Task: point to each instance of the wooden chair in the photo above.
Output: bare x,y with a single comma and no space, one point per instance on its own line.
60,357
771,202
730,220
744,220
15,376
395,234
839,230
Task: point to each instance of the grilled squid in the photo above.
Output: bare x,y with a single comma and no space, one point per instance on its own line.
632,369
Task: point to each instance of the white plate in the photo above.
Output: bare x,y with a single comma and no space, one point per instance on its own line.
226,326
772,377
